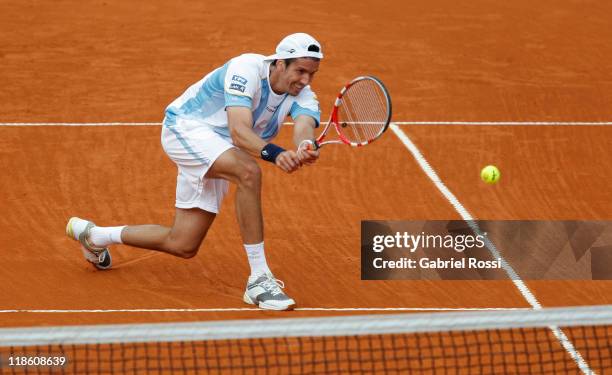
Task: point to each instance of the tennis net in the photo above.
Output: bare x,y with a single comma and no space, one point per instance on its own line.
547,341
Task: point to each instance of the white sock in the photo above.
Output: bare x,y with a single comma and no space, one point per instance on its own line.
104,236
257,258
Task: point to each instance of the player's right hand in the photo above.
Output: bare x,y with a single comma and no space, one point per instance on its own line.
308,157
288,161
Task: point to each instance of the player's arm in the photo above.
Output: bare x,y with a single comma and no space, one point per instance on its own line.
239,122
303,129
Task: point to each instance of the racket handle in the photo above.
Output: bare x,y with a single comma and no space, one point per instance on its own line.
308,144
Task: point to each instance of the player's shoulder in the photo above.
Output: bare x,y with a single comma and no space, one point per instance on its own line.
244,75
251,62
252,58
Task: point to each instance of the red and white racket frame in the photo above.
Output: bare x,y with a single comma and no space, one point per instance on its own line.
333,120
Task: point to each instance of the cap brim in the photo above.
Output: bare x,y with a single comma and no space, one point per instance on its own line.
283,56
271,57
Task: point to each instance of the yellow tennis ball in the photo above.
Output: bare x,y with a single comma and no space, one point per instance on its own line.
490,174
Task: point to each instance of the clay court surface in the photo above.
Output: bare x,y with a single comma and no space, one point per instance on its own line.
111,61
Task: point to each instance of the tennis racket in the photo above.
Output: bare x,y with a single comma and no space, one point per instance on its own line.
361,114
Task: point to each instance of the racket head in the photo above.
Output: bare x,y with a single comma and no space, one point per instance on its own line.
362,111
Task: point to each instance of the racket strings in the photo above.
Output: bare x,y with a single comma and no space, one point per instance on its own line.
364,111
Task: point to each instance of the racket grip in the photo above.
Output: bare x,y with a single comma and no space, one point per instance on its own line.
308,144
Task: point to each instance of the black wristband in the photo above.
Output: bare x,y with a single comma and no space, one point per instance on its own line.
270,152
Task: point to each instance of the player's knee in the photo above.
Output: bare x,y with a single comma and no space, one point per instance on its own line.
186,252
250,174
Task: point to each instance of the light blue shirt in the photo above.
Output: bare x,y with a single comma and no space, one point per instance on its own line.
243,81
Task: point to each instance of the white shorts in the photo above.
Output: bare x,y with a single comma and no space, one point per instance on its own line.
194,147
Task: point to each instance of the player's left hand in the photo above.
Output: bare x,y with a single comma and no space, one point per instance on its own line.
308,157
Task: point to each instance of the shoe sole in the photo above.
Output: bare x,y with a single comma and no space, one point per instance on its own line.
265,306
106,263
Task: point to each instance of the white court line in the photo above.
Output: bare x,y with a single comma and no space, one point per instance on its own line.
79,123
466,123
505,123
81,311
470,220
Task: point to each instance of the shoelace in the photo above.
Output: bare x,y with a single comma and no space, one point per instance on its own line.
273,285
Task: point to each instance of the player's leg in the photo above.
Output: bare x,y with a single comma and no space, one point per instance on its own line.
191,224
240,168
194,149
183,239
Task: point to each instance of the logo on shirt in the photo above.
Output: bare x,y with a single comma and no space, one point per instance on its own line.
269,108
237,87
239,79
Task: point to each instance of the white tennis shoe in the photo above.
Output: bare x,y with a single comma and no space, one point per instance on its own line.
267,292
79,230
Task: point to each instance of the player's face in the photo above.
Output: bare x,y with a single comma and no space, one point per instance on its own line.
298,75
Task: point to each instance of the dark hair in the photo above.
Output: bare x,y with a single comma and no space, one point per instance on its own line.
289,61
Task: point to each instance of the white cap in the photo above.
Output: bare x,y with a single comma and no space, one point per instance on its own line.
297,45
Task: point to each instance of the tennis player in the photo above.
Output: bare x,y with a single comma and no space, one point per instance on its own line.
214,132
